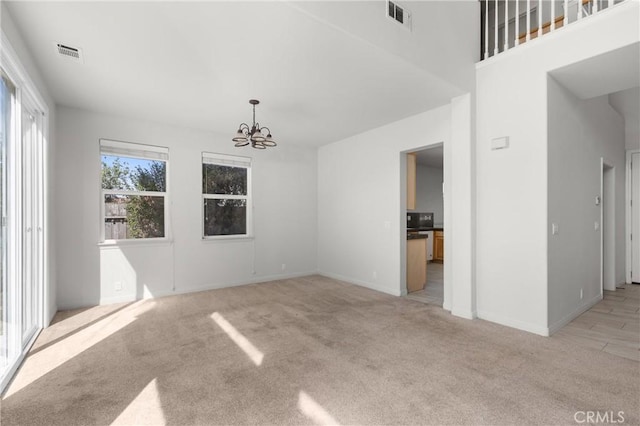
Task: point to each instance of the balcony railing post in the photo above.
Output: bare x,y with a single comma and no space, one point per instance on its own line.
516,42
528,37
553,15
579,15
539,18
506,25
495,28
486,29
566,13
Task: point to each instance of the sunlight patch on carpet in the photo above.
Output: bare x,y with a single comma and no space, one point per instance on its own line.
243,343
314,411
48,359
145,409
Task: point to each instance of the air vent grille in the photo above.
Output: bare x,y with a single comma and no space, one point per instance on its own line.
399,14
69,52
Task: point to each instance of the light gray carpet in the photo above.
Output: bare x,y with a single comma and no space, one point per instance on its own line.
306,351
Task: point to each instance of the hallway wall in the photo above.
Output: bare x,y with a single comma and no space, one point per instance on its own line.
580,134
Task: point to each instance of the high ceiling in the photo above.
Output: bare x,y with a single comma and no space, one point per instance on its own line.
627,104
196,64
609,72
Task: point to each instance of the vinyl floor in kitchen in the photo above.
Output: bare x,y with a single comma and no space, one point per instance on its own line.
611,325
433,292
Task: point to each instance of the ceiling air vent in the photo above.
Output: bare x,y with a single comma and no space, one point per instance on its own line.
69,52
399,14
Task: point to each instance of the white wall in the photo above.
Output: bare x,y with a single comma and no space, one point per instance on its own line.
284,189
359,196
429,192
627,103
512,216
580,133
15,38
362,203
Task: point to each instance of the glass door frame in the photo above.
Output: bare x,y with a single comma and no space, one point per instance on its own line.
32,202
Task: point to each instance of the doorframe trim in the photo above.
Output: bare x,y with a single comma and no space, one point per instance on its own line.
628,218
604,165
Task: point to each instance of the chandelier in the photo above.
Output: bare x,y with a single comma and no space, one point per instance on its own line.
254,135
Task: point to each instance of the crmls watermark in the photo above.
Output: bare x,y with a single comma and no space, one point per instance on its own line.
599,417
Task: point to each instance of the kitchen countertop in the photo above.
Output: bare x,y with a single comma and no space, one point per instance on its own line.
412,233
416,236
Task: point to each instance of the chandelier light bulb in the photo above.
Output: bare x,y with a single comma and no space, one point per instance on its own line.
240,136
269,141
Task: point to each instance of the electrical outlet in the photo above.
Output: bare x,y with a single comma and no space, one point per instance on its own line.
118,285
375,275
581,294
284,266
596,226
554,229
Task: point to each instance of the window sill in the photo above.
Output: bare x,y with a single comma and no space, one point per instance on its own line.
151,242
227,239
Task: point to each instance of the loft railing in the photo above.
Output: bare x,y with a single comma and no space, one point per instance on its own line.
509,23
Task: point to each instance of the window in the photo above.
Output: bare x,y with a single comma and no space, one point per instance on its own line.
134,190
226,195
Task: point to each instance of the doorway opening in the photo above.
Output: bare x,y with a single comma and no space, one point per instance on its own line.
425,225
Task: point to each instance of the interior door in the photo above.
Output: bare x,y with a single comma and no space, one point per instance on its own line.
635,217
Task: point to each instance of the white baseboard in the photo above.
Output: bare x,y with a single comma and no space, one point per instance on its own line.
186,290
462,313
361,283
520,325
117,299
573,315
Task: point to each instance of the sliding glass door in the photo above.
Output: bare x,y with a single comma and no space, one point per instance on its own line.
21,230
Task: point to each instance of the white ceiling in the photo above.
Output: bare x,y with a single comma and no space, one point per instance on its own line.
196,64
627,104
603,74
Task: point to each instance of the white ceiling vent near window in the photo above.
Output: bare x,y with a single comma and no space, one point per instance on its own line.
400,14
68,52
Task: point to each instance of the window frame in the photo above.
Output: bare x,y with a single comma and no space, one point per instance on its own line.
227,161
129,150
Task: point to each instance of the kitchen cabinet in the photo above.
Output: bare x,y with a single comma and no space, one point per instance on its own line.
411,181
438,246
416,264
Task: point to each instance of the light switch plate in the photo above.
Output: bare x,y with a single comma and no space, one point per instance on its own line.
554,229
500,143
